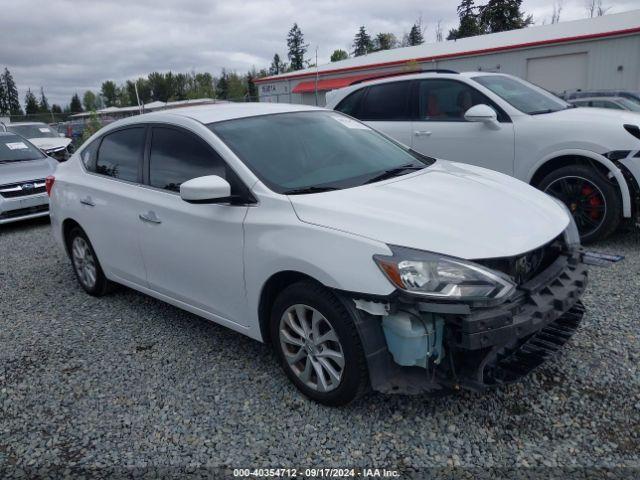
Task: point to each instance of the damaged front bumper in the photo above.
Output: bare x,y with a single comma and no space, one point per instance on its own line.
413,346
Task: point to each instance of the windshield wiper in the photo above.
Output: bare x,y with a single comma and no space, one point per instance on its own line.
395,172
312,189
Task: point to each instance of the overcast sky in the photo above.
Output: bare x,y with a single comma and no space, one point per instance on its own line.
69,46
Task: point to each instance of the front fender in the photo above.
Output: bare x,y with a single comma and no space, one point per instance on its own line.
608,164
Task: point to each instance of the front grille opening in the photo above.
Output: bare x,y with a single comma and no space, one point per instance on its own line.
523,268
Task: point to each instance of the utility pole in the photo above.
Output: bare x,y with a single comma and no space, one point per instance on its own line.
316,75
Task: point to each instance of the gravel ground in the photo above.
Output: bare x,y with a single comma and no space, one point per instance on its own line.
130,381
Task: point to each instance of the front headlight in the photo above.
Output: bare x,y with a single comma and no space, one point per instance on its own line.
441,277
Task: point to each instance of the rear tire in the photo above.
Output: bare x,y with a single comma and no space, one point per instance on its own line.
594,201
318,345
86,265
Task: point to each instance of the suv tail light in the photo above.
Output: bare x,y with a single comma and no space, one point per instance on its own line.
48,183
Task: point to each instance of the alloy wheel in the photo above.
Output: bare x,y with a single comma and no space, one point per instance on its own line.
311,348
84,262
585,201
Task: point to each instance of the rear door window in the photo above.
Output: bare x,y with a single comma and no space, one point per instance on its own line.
120,154
386,102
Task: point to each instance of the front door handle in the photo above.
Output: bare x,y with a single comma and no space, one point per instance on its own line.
422,133
149,217
87,201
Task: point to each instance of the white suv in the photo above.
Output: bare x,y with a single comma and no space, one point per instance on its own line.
363,263
589,158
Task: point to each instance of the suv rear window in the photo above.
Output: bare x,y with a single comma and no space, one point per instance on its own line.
120,154
387,101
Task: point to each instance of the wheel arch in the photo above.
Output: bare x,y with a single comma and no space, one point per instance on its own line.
270,290
564,157
67,226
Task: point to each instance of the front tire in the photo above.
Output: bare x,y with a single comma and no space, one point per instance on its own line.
86,265
318,345
594,202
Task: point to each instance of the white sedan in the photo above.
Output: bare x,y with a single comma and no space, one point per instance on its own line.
364,264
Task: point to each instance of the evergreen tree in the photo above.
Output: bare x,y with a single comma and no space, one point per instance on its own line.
13,101
385,41
43,104
503,15
277,66
469,22
222,86
362,43
75,106
252,88
55,108
338,55
297,47
415,34
31,103
4,101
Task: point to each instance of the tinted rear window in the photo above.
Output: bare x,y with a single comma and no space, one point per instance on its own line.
120,154
15,148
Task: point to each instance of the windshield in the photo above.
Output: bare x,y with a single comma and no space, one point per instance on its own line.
15,149
318,150
630,104
522,95
40,130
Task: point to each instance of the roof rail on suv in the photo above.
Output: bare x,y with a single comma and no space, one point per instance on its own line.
397,74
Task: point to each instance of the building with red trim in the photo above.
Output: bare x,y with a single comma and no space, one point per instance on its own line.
595,53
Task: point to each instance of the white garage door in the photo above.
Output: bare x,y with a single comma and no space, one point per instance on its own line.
558,73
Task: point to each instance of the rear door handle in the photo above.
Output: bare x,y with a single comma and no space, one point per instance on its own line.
87,201
149,217
422,133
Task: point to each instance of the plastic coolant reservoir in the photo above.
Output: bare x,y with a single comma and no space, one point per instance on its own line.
412,339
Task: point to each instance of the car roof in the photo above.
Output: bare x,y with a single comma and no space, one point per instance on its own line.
586,99
228,111
419,75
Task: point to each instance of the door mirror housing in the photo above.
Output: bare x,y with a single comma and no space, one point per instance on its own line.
481,113
209,189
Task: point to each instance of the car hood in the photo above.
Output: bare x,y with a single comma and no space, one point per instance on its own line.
50,143
594,115
27,170
449,208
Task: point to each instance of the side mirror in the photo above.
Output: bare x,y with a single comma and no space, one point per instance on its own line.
481,113
209,189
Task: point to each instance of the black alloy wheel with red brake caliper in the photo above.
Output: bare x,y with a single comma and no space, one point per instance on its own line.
591,198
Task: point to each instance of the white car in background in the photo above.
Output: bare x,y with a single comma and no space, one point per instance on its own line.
588,158
363,263
44,137
614,103
23,170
